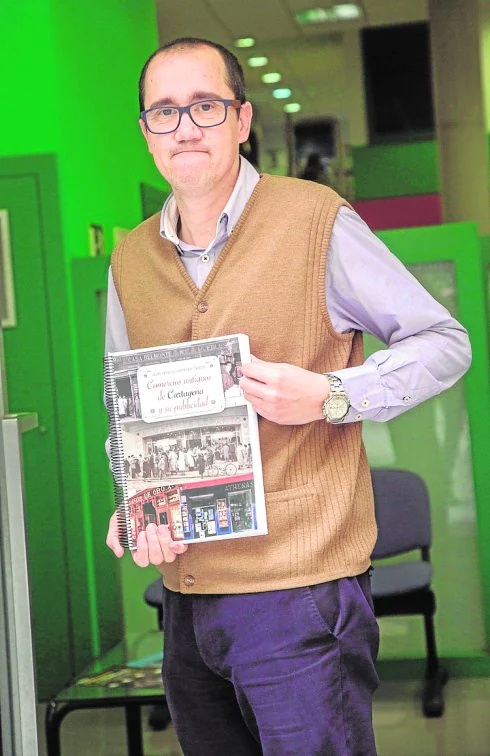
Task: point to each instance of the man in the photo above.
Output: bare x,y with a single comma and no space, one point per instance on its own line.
270,642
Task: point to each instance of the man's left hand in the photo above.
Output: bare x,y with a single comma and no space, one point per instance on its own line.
283,393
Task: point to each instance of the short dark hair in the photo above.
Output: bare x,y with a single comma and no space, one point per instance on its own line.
234,72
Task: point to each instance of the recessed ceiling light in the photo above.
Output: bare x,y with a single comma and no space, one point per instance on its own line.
258,61
315,16
347,11
292,107
339,12
245,42
281,94
271,78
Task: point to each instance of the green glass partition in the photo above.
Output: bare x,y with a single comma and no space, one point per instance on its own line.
485,245
89,282
446,441
117,586
433,440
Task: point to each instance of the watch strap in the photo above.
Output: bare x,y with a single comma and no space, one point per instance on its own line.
336,390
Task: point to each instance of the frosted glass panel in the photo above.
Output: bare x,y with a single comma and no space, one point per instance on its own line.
101,309
487,282
433,441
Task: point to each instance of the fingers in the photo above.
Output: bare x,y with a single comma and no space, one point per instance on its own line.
262,380
263,384
140,556
262,371
159,541
178,547
155,546
255,389
112,540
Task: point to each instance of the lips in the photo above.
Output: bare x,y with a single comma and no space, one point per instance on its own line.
183,152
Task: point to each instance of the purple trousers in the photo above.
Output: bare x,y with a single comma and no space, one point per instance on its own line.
283,673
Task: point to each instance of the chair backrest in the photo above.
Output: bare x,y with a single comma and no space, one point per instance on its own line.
402,512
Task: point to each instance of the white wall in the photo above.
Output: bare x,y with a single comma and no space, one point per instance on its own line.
485,59
339,95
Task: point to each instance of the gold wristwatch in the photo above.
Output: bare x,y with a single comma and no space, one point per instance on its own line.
336,407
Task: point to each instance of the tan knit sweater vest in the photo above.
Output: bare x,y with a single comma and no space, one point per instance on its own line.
268,282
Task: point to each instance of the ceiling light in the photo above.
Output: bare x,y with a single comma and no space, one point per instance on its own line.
271,78
258,61
347,11
281,94
245,42
339,12
292,107
315,16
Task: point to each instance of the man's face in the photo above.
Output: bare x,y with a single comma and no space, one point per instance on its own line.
193,159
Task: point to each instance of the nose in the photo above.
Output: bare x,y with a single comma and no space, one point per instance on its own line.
187,131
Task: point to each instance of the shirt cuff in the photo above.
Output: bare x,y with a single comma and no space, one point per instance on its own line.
367,396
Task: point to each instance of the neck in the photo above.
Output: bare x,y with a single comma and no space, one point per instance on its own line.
198,214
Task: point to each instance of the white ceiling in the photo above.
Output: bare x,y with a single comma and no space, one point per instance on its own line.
304,56
269,20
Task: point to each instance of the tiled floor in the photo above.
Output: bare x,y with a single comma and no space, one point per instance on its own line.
401,730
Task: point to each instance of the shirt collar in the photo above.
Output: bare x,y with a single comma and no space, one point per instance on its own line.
245,184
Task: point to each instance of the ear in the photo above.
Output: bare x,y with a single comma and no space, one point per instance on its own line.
244,122
145,133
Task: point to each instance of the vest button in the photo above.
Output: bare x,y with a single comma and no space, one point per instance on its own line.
189,580
202,307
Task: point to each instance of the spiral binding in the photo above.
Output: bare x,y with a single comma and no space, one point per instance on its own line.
125,531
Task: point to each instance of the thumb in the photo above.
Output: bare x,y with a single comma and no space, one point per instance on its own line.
115,546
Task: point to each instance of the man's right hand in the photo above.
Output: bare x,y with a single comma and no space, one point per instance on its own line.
154,545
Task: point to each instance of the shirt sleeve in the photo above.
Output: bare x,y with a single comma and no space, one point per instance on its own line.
368,289
116,335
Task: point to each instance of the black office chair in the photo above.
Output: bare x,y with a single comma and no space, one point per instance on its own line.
404,525
159,717
153,596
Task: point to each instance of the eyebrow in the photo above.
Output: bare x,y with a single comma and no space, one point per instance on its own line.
195,97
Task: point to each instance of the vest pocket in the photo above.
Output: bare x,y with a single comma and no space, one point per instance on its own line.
289,512
286,512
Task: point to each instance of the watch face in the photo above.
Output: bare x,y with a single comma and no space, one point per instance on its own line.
337,407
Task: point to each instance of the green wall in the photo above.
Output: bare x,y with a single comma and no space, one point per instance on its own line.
71,90
29,102
396,170
103,156
70,121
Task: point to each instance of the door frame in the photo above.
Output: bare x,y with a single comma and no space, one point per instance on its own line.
86,639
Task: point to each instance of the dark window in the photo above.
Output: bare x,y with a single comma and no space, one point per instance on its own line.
397,75
314,136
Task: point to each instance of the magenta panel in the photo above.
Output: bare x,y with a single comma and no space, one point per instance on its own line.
400,212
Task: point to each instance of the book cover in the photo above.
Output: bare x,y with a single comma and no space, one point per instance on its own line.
184,442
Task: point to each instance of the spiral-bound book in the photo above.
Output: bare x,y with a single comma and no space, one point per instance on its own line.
184,442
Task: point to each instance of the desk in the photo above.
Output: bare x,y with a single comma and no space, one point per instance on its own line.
78,696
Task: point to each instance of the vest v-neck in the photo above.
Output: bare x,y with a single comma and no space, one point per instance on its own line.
201,292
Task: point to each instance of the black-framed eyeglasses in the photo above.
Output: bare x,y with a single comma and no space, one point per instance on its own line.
164,119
